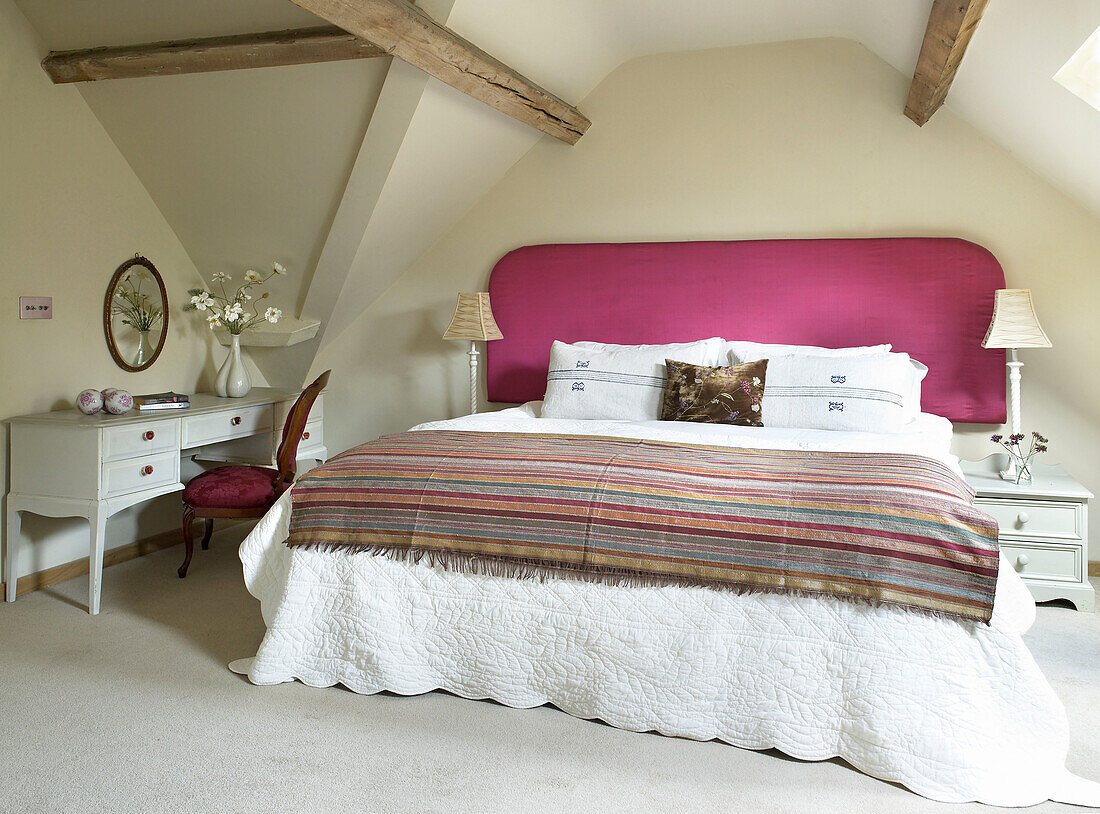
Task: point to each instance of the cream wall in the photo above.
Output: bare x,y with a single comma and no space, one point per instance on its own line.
795,139
71,211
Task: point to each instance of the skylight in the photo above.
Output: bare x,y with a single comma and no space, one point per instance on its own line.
1081,74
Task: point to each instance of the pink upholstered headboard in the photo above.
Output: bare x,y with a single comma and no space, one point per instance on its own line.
930,297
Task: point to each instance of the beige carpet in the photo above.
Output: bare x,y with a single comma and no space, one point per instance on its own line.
135,711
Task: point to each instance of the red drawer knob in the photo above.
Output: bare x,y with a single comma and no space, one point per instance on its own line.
149,435
147,470
305,435
236,420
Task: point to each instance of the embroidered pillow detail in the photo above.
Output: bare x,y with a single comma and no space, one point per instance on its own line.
878,393
733,394
625,384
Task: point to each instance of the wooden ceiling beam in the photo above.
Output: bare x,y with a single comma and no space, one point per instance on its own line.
951,24
406,32
294,47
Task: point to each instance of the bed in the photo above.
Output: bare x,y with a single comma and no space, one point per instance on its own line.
955,711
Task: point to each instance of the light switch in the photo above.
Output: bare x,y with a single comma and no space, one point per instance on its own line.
36,307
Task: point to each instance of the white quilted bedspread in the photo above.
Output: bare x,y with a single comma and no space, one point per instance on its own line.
955,712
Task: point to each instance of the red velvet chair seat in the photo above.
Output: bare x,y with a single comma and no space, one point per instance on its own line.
233,487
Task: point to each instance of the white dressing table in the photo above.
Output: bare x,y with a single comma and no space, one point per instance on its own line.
66,464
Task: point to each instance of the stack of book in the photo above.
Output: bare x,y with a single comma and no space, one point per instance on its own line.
162,401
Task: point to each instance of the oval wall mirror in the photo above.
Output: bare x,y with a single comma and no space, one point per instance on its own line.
135,315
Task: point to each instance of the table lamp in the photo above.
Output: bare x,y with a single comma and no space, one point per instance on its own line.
473,320
1014,325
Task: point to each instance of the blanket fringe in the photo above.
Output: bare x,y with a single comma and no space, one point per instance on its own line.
539,570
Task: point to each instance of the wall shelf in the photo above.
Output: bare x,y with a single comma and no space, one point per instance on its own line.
286,332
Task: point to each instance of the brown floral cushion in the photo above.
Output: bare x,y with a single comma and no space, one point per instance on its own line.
715,395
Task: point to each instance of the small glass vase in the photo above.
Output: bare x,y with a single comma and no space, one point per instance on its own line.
233,380
144,349
1016,472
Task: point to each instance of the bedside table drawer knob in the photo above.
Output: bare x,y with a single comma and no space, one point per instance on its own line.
147,470
1022,560
235,420
149,435
305,435
1022,518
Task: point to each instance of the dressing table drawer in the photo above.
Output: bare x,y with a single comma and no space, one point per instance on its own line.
137,474
226,424
131,440
313,438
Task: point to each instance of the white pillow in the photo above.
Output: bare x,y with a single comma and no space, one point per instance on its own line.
670,350
741,352
860,393
919,371
618,384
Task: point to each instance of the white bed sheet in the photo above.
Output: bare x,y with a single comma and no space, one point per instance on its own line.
928,434
955,712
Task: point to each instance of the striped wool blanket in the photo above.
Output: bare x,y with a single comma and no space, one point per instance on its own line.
872,527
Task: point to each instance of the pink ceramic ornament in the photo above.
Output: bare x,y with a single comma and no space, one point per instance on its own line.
117,402
89,402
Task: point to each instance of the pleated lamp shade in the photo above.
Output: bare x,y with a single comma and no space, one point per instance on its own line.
1014,323
473,319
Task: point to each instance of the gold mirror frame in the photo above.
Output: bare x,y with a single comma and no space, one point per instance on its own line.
108,304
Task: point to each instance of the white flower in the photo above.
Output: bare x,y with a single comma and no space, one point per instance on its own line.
202,301
247,296
233,312
756,408
278,268
272,315
756,381
214,321
252,276
218,276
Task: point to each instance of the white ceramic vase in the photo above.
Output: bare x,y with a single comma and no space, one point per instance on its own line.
233,380
144,349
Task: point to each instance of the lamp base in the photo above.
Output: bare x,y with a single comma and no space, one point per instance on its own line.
1014,377
473,354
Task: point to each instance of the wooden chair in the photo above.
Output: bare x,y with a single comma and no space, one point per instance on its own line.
246,491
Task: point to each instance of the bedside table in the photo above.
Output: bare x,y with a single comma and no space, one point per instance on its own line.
1044,529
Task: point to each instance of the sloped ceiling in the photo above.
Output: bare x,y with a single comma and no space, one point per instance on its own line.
1004,87
250,166
247,166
